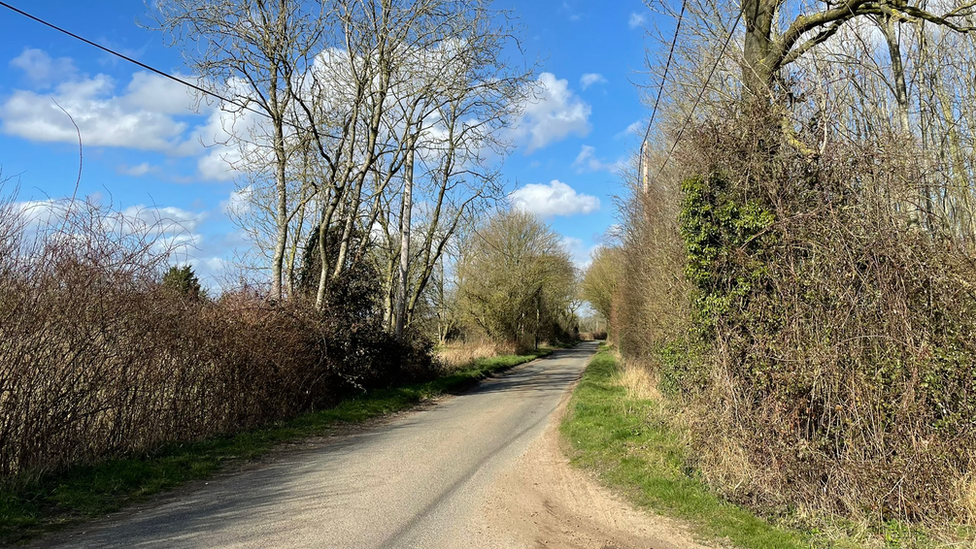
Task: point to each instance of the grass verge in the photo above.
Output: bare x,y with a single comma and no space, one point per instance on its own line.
30,507
628,444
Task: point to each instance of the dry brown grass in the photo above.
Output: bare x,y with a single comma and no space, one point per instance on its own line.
965,488
640,380
456,355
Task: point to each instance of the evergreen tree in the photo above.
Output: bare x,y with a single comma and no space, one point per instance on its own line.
183,281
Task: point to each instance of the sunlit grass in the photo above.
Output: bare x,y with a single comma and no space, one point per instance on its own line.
620,437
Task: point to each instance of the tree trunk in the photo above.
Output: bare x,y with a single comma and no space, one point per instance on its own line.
278,107
347,230
389,292
281,211
293,252
401,313
323,251
758,49
887,24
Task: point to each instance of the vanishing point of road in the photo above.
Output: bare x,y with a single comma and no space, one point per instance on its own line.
421,480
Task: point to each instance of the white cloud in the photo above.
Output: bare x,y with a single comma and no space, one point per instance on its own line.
581,254
239,201
571,12
219,164
140,116
236,142
166,219
169,230
636,20
145,114
41,69
209,268
161,95
587,161
635,128
555,114
104,119
38,213
591,78
556,198
138,170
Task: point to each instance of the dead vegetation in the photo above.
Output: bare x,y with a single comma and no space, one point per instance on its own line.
814,333
459,353
98,358
796,258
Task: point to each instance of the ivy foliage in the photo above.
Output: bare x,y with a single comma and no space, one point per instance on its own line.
727,239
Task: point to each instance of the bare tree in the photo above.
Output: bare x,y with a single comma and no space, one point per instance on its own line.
251,51
769,47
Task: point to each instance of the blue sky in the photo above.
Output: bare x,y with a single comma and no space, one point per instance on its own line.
142,148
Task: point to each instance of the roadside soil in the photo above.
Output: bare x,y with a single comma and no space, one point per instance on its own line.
546,503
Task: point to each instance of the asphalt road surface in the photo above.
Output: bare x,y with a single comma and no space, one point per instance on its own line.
419,481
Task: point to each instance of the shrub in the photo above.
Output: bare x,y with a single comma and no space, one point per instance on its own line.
837,335
98,357
183,282
810,325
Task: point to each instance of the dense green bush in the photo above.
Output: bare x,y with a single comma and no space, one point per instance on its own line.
726,241
351,327
183,281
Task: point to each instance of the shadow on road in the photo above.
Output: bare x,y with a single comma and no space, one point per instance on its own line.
549,374
299,496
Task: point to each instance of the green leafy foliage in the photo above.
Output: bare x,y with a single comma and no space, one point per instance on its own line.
683,367
183,282
726,240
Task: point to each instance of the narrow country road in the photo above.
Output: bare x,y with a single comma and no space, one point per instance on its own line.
427,479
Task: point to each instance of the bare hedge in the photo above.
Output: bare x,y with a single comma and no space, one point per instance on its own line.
99,359
827,360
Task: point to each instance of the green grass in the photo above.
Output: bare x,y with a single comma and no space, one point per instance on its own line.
633,449
30,507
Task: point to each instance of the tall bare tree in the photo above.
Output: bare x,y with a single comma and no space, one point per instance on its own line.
251,51
768,46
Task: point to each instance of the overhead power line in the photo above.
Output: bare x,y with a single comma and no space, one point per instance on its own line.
701,93
660,89
133,61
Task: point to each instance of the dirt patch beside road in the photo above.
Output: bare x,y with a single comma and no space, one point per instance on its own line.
543,502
